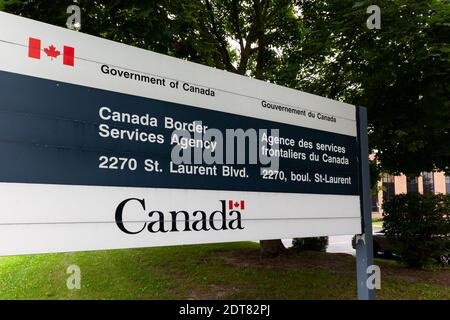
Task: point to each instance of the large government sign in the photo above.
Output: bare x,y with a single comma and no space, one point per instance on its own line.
104,146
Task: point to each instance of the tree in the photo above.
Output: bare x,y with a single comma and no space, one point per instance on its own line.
418,227
400,73
144,24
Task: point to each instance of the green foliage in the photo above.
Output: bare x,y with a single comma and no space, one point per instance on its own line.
144,24
418,227
3,3
400,73
311,244
213,271
200,31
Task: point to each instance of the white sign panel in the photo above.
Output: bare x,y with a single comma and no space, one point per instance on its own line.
105,146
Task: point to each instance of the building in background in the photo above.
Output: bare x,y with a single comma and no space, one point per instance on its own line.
427,183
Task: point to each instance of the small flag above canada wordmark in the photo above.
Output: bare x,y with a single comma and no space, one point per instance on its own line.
35,49
236,205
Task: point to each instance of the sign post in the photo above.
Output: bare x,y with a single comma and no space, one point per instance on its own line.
364,242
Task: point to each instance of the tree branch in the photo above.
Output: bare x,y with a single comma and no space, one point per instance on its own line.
248,51
235,16
222,44
261,9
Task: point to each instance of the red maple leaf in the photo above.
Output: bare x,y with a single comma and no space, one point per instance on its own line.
52,52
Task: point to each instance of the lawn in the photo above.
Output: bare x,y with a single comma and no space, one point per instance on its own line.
218,271
378,223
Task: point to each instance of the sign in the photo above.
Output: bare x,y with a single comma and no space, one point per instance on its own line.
105,146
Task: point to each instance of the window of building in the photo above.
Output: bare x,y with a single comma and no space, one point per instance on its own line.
412,185
447,184
428,183
388,187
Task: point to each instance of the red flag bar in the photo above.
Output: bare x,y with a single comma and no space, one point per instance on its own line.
69,56
34,48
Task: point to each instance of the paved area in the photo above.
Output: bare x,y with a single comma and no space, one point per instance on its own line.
341,244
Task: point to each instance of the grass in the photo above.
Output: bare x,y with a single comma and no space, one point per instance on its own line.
217,271
377,222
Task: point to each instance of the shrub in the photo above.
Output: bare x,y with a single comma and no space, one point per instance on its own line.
418,227
313,244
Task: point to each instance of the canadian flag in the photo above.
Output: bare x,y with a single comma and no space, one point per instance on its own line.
235,205
35,49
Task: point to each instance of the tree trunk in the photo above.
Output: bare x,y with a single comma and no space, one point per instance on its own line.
271,248
255,34
268,248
